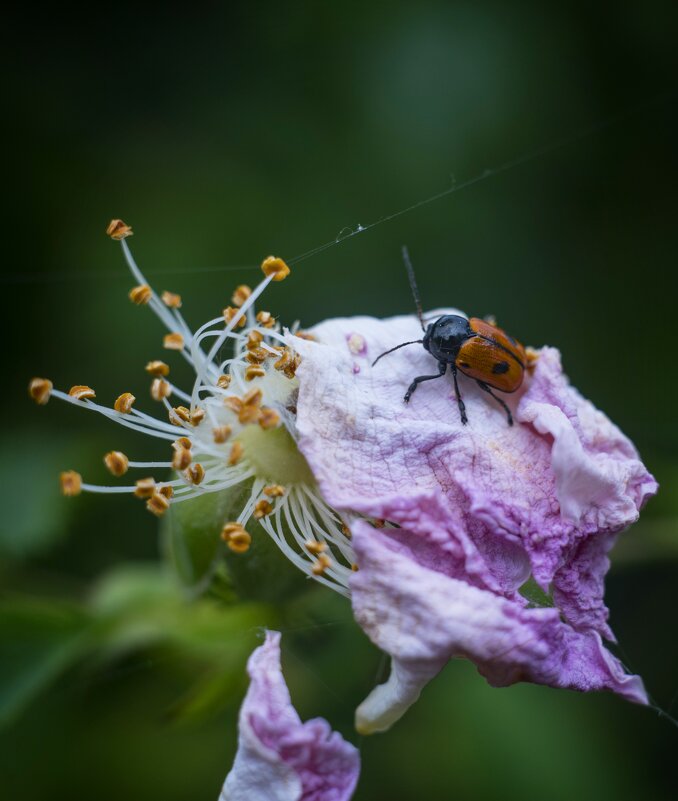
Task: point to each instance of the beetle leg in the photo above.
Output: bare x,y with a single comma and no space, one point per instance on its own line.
509,416
442,366
460,402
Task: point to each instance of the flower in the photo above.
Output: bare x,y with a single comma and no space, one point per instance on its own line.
473,512
235,428
280,758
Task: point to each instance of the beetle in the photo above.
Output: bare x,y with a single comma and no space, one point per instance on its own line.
477,348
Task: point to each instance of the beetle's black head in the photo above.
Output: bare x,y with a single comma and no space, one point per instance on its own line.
446,335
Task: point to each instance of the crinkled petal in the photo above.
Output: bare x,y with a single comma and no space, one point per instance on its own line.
489,504
424,618
280,758
530,493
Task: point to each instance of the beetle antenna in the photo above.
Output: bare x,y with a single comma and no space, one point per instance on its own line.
413,286
402,345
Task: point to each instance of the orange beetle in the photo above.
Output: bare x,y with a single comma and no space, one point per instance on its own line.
473,347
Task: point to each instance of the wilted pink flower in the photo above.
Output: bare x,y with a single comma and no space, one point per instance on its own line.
280,758
472,512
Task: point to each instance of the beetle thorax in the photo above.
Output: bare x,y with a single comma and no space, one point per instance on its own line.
446,335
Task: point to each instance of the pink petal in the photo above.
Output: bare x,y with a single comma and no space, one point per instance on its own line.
280,758
545,497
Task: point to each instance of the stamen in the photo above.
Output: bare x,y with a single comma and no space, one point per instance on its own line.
241,294
40,390
157,368
254,371
274,491
195,474
145,487
82,392
237,451
221,433
275,267
268,418
322,563
183,442
257,355
197,416
315,547
236,537
124,402
171,300
173,341
180,412
167,491
254,339
158,504
160,389
305,335
265,318
117,463
262,508
223,381
181,459
230,313
140,294
71,483
118,230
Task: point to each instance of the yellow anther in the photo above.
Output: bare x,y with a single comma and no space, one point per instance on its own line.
275,267
145,487
71,483
160,389
274,491
158,504
254,371
268,418
253,397
171,299
237,451
40,389
116,462
123,403
254,339
346,531
321,564
248,414
286,358
355,568
195,474
82,392
262,508
233,402
197,416
305,335
174,341
230,313
118,230
181,459
182,442
157,368
266,319
140,294
223,381
241,294
235,536
315,547
257,355
167,491
179,413
221,433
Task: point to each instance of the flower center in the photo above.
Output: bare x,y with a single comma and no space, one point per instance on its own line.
274,456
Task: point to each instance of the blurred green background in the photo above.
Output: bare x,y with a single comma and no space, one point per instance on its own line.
222,133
